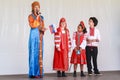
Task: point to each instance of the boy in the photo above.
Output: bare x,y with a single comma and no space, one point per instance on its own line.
93,38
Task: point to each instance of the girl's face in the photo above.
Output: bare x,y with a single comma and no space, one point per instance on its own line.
63,24
79,29
36,9
91,23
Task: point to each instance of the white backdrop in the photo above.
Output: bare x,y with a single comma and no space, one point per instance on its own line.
14,31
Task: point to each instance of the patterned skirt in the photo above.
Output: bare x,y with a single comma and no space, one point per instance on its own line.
78,58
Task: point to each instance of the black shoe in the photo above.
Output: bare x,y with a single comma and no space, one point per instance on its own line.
82,74
31,76
63,74
97,73
74,74
59,74
90,73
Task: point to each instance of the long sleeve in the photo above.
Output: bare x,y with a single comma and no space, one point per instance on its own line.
33,23
98,35
69,40
84,43
73,40
42,25
57,39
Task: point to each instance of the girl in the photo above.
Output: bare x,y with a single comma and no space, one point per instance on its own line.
79,44
62,48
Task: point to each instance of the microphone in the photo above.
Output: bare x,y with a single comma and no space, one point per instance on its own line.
38,12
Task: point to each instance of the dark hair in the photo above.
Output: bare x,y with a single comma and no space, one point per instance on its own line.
84,30
95,21
32,11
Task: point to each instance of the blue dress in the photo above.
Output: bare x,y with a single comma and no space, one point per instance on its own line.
34,52
34,42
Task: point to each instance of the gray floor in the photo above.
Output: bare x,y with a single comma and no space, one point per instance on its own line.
109,75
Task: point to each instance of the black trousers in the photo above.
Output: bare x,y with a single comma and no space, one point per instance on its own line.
91,53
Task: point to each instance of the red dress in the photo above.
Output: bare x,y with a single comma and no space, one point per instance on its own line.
62,41
79,42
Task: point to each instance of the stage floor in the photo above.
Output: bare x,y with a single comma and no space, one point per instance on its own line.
108,75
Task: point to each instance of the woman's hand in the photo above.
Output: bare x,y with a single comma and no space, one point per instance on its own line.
38,16
43,29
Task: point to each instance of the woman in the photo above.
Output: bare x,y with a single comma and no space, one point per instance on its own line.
36,23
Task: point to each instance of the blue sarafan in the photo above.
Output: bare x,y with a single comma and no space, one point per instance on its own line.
52,28
34,47
34,52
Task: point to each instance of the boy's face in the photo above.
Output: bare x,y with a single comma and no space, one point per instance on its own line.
91,23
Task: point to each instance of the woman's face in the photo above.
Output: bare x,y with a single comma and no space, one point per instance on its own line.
63,24
79,29
91,23
36,9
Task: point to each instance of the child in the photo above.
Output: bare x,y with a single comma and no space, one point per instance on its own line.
62,48
93,38
79,44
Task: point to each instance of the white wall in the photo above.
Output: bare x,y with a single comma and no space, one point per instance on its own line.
14,31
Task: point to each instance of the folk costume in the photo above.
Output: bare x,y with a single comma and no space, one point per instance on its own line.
62,47
79,53
92,49
36,44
